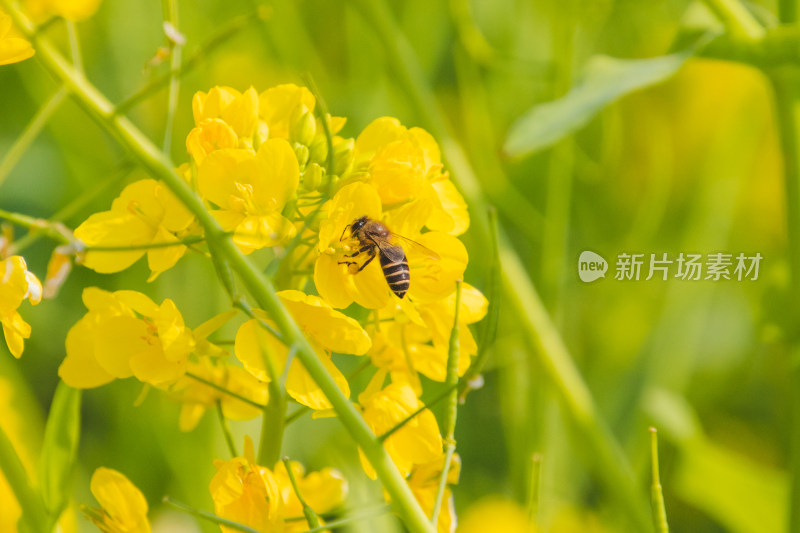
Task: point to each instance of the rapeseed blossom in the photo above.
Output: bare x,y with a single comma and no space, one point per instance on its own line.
145,213
17,284
123,508
263,498
126,334
276,174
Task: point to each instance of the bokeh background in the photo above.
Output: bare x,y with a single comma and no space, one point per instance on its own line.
689,165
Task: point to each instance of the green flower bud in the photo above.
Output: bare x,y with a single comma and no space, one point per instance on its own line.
313,177
342,155
303,129
319,151
301,152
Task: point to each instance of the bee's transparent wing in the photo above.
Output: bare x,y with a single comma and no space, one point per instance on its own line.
414,246
392,251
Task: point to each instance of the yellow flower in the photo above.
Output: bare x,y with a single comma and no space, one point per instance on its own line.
418,338
247,493
125,334
16,285
145,213
327,329
123,507
431,278
279,106
424,483
12,47
209,135
196,396
223,118
250,190
417,442
493,513
323,491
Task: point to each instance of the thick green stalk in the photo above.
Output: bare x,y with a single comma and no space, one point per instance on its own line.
785,89
522,297
451,409
33,511
161,167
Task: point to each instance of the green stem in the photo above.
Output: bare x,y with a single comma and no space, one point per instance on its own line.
187,241
534,490
308,512
208,516
522,297
785,88
736,18
451,409
226,430
787,11
52,230
335,524
656,494
274,418
30,133
225,32
74,45
171,16
117,175
33,510
224,390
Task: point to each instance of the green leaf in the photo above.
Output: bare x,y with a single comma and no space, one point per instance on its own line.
59,449
742,495
605,80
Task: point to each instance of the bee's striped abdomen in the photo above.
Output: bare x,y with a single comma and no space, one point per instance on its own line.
396,274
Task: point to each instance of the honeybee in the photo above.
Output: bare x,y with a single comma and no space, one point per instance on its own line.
374,238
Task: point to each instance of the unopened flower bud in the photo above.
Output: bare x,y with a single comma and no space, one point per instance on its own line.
313,177
303,129
342,155
301,152
319,150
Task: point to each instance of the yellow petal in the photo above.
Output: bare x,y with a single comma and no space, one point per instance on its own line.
117,339
253,344
151,366
450,212
113,228
15,331
331,329
277,104
242,113
80,369
121,500
432,280
379,132
302,387
332,280
75,10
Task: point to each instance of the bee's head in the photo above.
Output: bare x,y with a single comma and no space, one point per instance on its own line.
358,223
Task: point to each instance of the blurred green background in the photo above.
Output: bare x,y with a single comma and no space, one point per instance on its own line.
689,165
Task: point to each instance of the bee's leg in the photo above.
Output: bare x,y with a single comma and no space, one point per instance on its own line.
341,237
372,255
365,248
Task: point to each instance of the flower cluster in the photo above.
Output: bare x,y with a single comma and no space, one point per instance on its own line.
275,174
263,499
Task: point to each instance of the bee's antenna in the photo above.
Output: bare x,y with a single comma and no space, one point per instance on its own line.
343,231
